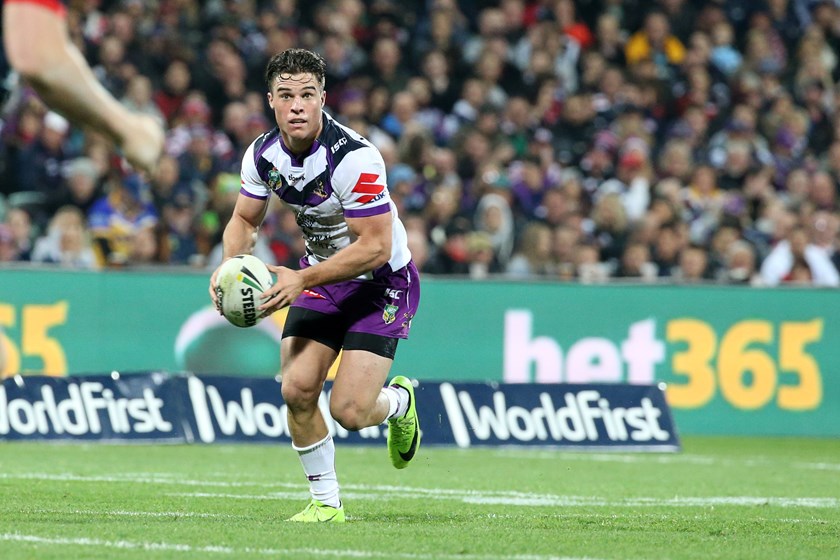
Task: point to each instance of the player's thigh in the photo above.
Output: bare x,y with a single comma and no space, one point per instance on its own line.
304,364
22,20
311,341
361,375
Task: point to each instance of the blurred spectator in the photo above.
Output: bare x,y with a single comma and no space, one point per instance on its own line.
23,231
144,247
632,180
739,266
443,81
494,218
655,43
39,165
481,256
533,257
636,263
8,247
694,264
138,97
116,219
179,224
173,91
386,67
823,192
81,185
452,255
797,259
610,227
610,39
564,243
588,267
704,202
667,249
67,242
195,121
418,244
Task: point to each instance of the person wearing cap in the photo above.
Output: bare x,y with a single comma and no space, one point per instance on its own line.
195,124
38,47
116,218
39,165
81,186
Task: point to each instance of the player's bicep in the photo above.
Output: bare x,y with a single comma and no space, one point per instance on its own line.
376,228
250,210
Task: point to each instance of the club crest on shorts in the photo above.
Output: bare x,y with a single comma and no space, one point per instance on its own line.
390,314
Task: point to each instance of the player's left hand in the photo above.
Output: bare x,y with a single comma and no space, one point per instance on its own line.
287,287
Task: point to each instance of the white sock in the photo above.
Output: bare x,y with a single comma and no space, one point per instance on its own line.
397,401
318,462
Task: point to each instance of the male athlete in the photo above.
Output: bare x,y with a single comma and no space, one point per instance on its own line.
38,47
357,288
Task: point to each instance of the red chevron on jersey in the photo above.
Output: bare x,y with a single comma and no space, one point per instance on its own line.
366,186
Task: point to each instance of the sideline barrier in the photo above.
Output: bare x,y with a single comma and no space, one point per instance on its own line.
736,360
207,409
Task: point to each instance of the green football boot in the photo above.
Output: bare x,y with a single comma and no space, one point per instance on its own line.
316,512
404,432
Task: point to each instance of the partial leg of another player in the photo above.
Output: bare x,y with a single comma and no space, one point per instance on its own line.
38,48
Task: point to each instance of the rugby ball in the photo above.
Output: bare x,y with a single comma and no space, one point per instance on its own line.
239,284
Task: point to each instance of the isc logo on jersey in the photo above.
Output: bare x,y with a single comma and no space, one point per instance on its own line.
341,141
367,187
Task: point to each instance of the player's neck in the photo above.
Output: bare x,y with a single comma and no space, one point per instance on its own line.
303,146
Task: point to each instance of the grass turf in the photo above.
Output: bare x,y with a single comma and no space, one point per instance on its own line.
719,498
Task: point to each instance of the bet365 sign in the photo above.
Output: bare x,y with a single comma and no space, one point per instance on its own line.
751,364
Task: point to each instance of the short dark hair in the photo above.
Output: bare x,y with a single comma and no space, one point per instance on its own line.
295,61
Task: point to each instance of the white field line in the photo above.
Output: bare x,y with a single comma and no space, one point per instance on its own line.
540,500
662,459
502,497
303,495
652,516
239,552
126,513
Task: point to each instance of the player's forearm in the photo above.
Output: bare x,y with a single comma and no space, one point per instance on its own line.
239,237
360,257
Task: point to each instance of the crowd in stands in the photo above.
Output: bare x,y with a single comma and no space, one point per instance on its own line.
669,140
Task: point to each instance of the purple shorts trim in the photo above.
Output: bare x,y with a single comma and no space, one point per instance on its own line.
383,306
249,195
365,212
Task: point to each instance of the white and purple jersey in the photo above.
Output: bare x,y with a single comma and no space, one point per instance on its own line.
342,176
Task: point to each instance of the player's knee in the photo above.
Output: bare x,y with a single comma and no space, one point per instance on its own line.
349,415
298,396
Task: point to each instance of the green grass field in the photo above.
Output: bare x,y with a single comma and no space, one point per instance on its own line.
719,498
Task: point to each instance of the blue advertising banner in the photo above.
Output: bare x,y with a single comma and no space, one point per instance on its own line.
208,409
565,415
101,407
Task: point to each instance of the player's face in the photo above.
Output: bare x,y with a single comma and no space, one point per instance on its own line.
297,100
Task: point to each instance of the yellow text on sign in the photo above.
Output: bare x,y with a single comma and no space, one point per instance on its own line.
35,340
747,347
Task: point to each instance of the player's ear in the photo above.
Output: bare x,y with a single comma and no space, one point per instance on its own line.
270,99
323,98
